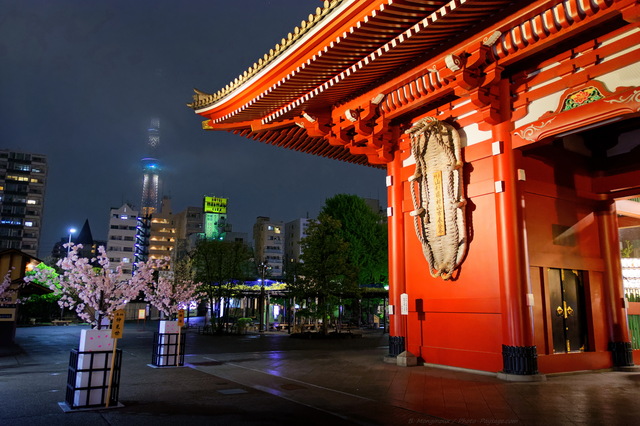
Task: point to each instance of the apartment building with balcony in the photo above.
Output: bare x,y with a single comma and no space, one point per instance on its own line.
22,186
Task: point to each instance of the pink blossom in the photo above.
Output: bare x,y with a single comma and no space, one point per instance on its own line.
93,292
169,294
6,282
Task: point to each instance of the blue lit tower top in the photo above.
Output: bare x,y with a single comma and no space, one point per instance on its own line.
154,133
151,172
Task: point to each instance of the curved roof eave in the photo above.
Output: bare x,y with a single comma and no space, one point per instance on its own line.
265,65
349,60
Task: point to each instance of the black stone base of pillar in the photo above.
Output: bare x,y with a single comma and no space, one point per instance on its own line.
521,360
396,345
622,354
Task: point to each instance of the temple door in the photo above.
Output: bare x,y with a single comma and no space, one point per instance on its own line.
568,324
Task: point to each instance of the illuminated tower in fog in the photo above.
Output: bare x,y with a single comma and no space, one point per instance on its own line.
150,193
151,172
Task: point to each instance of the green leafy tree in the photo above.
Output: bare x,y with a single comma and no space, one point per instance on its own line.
366,233
220,266
627,250
326,272
43,269
42,306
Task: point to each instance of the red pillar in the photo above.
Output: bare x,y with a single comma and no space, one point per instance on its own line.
511,250
397,284
619,338
519,353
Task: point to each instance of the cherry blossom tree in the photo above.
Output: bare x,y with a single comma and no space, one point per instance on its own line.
170,294
6,282
94,292
5,288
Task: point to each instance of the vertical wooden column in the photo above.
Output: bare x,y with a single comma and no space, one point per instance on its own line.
619,339
397,284
518,351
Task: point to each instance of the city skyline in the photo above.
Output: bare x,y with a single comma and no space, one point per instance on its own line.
82,81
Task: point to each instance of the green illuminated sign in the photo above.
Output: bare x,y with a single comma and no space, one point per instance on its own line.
215,205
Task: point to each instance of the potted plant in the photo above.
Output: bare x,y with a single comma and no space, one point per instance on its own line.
170,294
95,292
243,324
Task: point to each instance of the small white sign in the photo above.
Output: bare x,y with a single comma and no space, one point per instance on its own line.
404,304
7,314
390,309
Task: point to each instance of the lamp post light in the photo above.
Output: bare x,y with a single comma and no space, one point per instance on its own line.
263,267
71,232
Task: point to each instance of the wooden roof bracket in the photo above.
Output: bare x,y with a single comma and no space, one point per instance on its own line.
363,130
317,124
487,97
631,14
388,144
474,74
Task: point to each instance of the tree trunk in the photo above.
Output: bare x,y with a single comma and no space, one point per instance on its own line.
99,318
323,311
212,310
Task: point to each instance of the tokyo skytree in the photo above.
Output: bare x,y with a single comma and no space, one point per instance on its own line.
151,171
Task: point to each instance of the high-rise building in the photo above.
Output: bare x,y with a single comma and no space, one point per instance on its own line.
189,226
123,222
162,236
375,206
22,185
237,237
268,239
215,218
295,231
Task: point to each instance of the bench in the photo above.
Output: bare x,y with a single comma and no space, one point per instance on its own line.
61,322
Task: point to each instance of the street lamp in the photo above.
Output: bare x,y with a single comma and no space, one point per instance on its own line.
71,231
263,266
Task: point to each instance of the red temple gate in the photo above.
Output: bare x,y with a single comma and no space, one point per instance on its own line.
543,98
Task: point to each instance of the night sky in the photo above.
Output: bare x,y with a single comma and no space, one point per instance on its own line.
81,80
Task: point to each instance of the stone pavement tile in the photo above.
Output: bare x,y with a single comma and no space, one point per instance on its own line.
446,394
500,412
341,385
476,405
349,407
162,396
415,381
433,398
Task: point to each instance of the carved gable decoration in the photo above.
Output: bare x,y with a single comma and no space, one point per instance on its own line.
580,107
581,97
438,198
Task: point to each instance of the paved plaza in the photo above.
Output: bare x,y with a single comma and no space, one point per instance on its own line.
272,379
